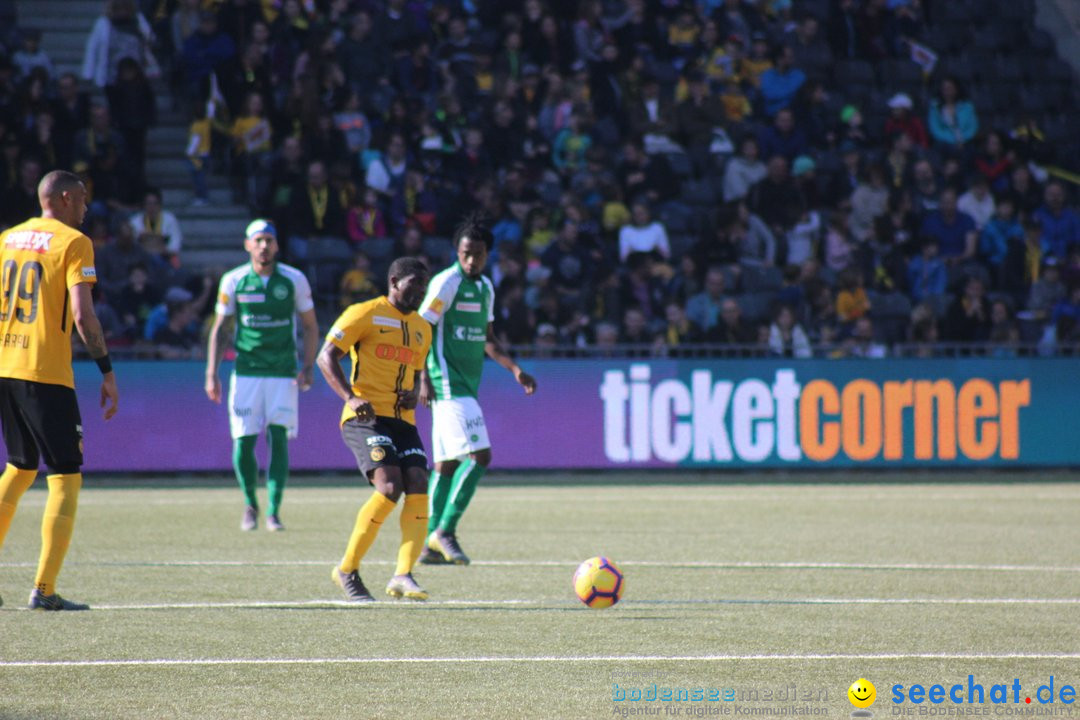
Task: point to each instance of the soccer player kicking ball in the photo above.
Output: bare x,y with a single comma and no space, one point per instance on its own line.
387,343
460,306
266,296
47,268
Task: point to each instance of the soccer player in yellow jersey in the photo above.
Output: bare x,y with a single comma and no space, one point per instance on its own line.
387,342
46,270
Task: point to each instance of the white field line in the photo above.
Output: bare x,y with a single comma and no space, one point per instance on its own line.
742,565
548,604
809,657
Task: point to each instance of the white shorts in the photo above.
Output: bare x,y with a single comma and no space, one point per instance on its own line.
457,428
255,402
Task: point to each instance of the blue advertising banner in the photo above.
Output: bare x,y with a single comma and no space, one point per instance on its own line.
605,413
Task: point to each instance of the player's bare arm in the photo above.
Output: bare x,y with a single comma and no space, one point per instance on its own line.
219,340
408,399
427,390
494,349
89,327
329,362
310,328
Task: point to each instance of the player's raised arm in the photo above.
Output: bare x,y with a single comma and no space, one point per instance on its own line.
89,327
494,349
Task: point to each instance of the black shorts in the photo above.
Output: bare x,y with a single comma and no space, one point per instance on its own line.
41,420
386,442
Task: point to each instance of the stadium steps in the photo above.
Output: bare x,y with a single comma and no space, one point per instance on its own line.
213,233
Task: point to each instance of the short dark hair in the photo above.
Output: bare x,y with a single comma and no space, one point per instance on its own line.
57,183
405,267
475,228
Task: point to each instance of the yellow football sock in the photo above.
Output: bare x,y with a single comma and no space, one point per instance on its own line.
368,521
56,527
13,483
414,518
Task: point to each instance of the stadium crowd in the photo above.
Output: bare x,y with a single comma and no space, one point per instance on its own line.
774,177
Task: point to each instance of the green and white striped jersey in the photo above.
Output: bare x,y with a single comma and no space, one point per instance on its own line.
266,311
459,309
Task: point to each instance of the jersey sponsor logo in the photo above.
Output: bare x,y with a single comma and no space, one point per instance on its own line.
385,321
403,355
33,240
264,322
337,333
469,334
16,340
89,272
436,306
380,440
251,297
475,422
468,294
281,292
241,412
223,298
414,451
468,306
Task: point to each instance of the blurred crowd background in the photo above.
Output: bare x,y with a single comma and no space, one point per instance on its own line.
793,178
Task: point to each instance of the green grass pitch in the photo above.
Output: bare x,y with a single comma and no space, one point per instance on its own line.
754,584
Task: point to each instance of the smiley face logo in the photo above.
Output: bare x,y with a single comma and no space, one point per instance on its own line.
862,693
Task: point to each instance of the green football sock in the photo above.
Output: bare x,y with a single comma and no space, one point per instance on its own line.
278,474
461,492
246,466
438,491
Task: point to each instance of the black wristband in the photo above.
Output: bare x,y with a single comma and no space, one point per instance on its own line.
104,364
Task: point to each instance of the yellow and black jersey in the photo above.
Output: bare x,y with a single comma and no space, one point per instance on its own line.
40,260
387,348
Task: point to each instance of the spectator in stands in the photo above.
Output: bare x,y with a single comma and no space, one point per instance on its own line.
732,328
926,272
357,284
780,84
317,214
71,113
977,201
852,302
755,240
678,330
156,229
643,234
703,309
1060,225
122,32
365,57
1004,333
869,202
635,327
840,247
571,265
1065,318
650,176
31,56
353,123
903,120
777,199
365,220
1001,242
642,287
386,174
652,114
133,107
137,298
994,162
20,203
175,340
184,22
954,230
783,137
787,337
1047,291
206,51
952,119
103,149
968,317
697,116
252,136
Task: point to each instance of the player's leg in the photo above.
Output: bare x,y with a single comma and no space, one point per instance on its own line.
53,414
22,455
413,518
439,482
473,443
245,424
378,461
282,413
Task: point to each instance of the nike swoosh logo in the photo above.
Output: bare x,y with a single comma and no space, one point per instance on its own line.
381,331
